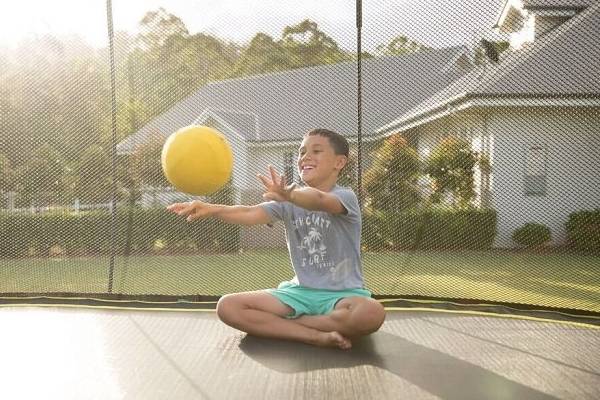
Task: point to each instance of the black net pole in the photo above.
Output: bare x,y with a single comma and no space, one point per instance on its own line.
113,208
359,99
132,179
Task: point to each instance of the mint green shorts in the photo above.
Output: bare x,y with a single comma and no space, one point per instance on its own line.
311,301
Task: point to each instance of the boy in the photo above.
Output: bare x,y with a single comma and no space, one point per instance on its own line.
325,304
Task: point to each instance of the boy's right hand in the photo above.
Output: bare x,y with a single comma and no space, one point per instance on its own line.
193,210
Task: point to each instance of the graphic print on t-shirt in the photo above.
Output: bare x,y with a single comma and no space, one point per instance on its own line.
311,229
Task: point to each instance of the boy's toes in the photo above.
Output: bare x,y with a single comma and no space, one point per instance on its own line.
335,339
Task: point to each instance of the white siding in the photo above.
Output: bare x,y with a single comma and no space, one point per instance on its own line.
573,167
240,156
572,139
525,35
261,157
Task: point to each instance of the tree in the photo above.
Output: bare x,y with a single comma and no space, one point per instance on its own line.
168,63
10,137
146,163
262,55
400,45
391,181
151,61
41,177
347,176
157,26
6,174
145,169
54,93
451,165
307,45
192,61
93,175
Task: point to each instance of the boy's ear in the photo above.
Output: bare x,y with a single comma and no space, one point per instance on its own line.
341,161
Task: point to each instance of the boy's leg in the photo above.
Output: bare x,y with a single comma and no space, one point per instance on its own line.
352,317
261,314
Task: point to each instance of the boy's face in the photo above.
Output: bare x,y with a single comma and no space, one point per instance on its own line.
317,162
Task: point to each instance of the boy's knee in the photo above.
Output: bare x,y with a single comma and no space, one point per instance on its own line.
368,317
227,308
376,315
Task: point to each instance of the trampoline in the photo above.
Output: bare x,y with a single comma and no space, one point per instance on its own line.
113,354
474,132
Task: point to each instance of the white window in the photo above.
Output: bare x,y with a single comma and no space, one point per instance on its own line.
536,171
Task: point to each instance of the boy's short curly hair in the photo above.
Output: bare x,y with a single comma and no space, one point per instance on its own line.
338,142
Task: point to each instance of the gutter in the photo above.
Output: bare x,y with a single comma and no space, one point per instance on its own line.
464,101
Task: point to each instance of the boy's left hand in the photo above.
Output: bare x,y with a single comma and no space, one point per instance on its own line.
276,188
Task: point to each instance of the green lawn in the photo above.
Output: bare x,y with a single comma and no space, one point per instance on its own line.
556,280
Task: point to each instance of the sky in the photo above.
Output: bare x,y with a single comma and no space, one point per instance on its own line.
438,23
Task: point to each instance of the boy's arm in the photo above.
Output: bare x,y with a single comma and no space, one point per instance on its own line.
316,200
307,197
241,215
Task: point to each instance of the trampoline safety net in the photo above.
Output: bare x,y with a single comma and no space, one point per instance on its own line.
474,132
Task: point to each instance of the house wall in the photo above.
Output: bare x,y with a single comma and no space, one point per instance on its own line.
525,35
240,155
260,157
572,139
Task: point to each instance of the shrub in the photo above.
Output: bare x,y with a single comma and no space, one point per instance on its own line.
430,229
391,181
532,235
583,230
88,233
451,166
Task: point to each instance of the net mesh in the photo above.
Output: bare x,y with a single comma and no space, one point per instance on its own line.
479,145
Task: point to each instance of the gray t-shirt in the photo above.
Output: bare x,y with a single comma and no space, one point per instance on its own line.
324,248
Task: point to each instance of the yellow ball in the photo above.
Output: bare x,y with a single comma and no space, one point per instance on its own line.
197,160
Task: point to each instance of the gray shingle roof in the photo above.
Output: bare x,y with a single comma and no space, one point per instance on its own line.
558,4
283,106
243,123
563,63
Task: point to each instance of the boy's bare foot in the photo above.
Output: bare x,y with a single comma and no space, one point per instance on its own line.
333,339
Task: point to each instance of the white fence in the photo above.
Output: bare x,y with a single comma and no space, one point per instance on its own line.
150,197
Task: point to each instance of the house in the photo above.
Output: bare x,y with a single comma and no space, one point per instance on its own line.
265,117
535,113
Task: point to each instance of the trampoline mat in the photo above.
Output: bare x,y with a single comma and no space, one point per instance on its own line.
91,353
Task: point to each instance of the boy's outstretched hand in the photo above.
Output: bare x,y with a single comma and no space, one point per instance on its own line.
276,188
193,210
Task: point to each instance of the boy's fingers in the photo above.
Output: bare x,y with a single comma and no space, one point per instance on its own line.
291,187
273,175
174,207
197,214
191,217
186,209
264,180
